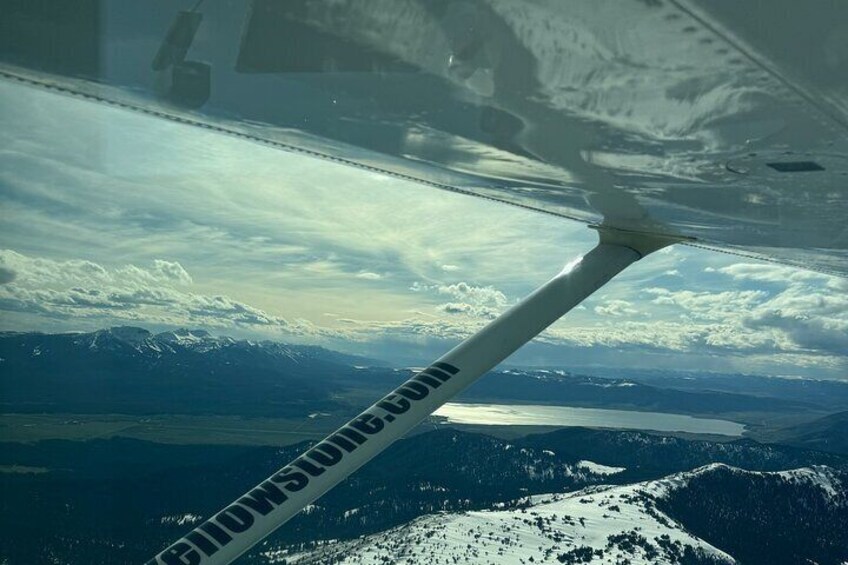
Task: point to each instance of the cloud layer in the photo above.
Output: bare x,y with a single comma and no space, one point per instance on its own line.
159,293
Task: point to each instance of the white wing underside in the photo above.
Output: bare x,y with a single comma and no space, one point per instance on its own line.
725,123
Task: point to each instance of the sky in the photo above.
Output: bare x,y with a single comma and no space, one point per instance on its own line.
113,218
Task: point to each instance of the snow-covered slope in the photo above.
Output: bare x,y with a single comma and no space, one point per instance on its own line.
600,524
181,340
603,524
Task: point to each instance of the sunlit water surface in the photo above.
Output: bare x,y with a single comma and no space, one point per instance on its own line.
566,416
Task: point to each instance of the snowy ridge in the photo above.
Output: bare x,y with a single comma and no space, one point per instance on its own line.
138,341
818,475
166,342
598,524
599,469
557,375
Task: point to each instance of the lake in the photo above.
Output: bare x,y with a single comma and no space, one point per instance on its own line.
566,416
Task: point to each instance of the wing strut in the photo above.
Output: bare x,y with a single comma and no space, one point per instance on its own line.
246,521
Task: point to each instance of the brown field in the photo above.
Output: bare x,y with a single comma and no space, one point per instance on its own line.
175,429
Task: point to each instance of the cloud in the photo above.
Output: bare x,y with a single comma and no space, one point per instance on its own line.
810,310
155,293
812,320
720,328
706,305
369,276
457,308
616,308
412,329
170,270
769,273
477,295
450,268
484,302
662,335
802,311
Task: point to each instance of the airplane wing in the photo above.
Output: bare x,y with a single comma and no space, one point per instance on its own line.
722,121
719,123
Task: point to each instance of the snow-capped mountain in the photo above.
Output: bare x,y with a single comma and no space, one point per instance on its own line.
130,370
142,341
637,523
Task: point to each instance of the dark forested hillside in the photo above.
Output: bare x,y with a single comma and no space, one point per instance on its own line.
120,499
792,517
825,434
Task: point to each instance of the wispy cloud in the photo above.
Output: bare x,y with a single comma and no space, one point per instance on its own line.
369,276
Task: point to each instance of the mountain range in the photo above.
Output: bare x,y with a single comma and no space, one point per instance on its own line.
131,371
128,370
